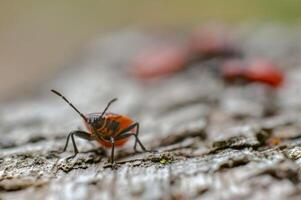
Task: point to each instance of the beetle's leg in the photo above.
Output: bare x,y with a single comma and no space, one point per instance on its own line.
113,149
81,134
74,147
124,133
65,147
84,135
67,142
136,125
137,139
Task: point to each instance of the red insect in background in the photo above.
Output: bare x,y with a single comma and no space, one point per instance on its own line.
109,129
253,70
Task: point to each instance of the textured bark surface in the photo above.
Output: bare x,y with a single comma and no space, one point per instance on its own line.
214,140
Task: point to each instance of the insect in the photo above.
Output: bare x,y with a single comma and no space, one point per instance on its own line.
255,70
109,129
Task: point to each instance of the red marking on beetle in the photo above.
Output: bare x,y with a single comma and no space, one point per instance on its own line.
108,129
161,60
256,70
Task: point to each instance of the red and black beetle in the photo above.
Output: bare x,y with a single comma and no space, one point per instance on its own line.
109,129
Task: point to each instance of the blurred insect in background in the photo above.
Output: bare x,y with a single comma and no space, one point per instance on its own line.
109,129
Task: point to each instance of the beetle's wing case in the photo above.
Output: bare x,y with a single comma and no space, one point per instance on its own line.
123,120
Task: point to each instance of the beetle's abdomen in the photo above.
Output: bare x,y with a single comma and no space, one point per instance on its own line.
118,143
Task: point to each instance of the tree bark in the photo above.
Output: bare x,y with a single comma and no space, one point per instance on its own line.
212,140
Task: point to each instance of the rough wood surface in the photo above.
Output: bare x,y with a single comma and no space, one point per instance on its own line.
214,141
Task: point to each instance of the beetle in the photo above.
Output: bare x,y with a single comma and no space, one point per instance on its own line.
254,70
109,129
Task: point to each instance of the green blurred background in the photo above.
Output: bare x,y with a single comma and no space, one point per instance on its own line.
38,37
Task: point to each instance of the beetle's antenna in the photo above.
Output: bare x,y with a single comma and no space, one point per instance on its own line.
104,111
70,104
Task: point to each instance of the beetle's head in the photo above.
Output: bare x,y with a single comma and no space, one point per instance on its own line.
96,120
